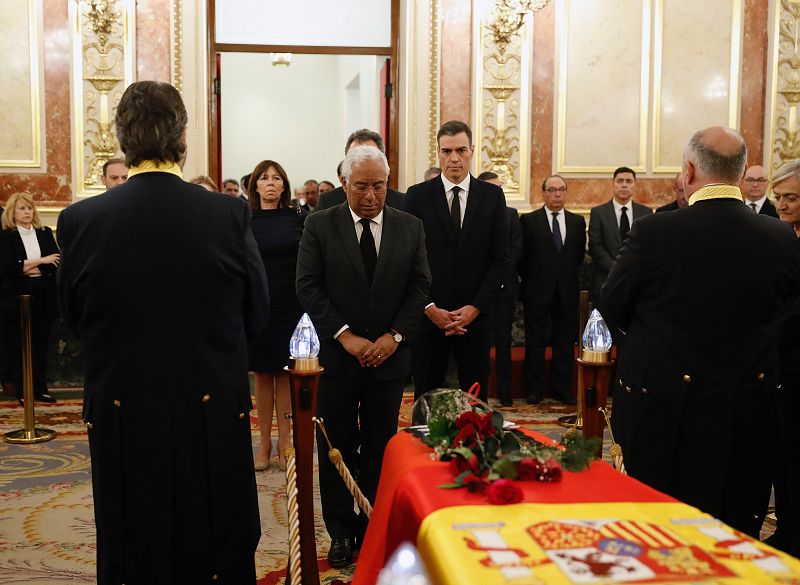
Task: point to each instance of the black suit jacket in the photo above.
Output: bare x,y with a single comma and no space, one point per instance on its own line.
699,302
469,269
12,259
333,289
162,281
546,273
668,207
768,209
337,196
510,284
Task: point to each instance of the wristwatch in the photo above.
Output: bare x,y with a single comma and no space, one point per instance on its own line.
396,335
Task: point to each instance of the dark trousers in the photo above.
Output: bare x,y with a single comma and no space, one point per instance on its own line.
785,451
357,408
431,351
41,324
564,320
502,319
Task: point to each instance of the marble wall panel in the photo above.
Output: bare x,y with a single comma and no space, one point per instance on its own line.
602,85
753,82
456,60
20,99
153,40
51,188
695,75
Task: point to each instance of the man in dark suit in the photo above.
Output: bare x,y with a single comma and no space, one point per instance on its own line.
363,278
467,239
337,196
754,189
503,312
680,196
700,304
554,244
609,224
164,325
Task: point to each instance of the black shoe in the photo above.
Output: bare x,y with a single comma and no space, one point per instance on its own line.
46,398
533,399
506,402
340,554
568,400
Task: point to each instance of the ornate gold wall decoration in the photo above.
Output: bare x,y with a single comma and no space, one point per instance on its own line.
786,85
501,108
433,86
102,67
177,44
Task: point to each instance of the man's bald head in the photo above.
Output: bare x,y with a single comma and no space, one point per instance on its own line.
713,155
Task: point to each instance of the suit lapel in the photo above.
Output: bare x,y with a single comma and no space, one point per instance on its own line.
440,205
388,234
473,202
544,220
347,233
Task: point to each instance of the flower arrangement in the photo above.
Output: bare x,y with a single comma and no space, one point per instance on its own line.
486,457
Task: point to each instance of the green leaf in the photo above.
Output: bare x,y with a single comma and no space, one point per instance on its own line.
510,443
497,421
578,452
450,486
505,468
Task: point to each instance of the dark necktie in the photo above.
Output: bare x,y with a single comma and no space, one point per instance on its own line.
753,205
624,224
557,232
368,254
455,210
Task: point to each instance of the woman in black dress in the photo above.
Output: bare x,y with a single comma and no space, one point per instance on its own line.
28,260
277,228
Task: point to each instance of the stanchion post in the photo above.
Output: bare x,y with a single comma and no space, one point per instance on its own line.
596,378
29,434
304,382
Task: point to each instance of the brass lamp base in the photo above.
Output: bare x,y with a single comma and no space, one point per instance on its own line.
26,437
596,357
303,364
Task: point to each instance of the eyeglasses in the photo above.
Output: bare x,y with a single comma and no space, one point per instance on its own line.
754,180
363,188
556,189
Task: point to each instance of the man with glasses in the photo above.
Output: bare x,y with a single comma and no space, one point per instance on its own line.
363,278
754,191
466,229
553,247
609,224
680,196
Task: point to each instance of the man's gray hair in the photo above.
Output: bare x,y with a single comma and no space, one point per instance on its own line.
787,171
360,154
714,164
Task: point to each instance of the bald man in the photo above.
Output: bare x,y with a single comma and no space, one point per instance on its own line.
698,295
754,191
680,196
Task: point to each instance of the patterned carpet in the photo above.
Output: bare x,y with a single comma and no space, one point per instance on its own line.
46,512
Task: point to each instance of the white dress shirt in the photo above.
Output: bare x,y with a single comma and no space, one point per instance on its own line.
376,227
759,203
628,210
562,222
462,195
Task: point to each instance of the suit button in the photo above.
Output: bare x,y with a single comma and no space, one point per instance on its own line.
644,390
778,386
627,388
89,425
761,376
241,415
117,403
214,577
687,378
206,397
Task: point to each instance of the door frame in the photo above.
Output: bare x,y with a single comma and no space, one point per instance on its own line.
213,95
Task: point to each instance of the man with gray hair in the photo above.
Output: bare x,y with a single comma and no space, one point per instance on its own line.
363,278
363,137
699,302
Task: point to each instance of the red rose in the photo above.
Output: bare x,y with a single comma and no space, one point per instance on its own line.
548,471
475,483
527,469
468,418
504,491
459,465
486,427
468,436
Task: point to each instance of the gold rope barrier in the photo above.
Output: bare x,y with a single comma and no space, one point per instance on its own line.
616,449
294,519
335,457
30,434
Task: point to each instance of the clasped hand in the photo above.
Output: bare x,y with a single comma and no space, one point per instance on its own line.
452,322
369,354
